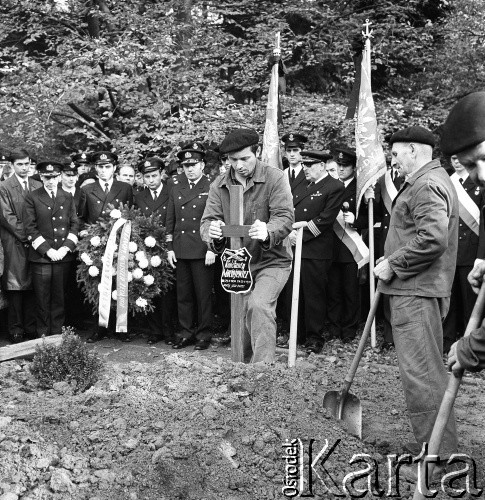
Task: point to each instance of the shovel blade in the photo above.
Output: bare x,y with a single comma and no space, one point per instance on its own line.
351,412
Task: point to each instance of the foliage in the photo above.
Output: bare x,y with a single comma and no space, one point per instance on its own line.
149,273
70,362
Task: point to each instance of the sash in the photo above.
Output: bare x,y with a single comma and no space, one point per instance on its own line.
469,212
352,240
107,275
122,280
389,192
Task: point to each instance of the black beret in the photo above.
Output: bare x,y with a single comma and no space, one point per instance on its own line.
294,140
49,168
70,168
413,134
104,157
309,157
238,139
345,156
80,158
465,125
151,165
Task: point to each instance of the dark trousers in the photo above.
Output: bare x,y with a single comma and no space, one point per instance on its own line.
21,312
312,306
387,330
49,282
194,293
343,299
222,298
461,305
77,310
160,320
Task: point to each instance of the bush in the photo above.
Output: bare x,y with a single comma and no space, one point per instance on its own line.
71,362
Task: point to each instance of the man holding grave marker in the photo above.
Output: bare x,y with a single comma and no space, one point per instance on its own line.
268,209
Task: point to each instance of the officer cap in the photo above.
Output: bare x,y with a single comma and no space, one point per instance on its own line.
345,156
102,157
239,139
312,156
151,165
191,155
4,155
70,168
49,168
465,125
80,158
294,140
413,134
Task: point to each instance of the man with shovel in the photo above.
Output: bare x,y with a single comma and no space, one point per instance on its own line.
417,273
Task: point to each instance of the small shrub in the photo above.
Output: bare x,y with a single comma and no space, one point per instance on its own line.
71,361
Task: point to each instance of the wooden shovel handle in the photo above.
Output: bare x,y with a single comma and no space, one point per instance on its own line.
295,297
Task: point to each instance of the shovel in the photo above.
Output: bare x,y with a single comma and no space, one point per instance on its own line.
420,492
344,405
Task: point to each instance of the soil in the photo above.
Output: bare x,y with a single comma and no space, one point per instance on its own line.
166,425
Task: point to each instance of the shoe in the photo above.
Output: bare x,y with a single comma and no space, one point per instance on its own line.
201,345
410,472
170,341
314,346
153,339
282,341
347,340
413,448
386,346
182,343
123,336
95,337
17,338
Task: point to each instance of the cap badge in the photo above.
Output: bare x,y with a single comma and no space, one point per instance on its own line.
103,157
291,137
340,156
83,156
195,146
3,158
147,164
73,165
188,154
49,168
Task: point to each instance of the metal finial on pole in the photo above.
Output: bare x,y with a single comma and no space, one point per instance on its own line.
367,34
277,49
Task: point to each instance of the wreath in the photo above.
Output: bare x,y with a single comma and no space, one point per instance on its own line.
149,273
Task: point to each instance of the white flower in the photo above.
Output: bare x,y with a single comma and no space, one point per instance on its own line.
129,276
113,271
149,279
143,263
132,247
95,241
114,294
137,273
155,261
93,271
115,213
86,259
150,241
140,255
140,302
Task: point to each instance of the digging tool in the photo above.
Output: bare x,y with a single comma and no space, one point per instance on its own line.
344,405
296,294
447,405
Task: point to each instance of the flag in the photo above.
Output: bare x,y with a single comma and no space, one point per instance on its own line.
371,162
271,140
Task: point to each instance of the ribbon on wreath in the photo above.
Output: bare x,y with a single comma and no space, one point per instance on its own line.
107,273
122,280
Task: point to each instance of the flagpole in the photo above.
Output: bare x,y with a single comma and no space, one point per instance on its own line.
372,284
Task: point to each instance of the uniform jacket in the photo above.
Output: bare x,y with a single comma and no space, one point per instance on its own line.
422,242
319,204
300,179
267,197
16,274
97,200
144,201
185,209
50,223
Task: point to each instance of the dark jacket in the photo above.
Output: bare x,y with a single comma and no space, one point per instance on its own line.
16,274
50,223
97,200
267,197
422,242
318,204
299,180
144,201
185,209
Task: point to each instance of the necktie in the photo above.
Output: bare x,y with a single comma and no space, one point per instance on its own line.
461,180
292,174
155,196
310,184
26,186
106,187
191,184
52,194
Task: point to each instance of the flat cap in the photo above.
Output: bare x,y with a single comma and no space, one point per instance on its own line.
312,156
465,125
79,158
104,157
345,156
294,140
238,139
151,164
49,168
413,134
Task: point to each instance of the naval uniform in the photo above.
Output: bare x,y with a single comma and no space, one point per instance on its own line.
160,320
319,204
194,278
50,223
